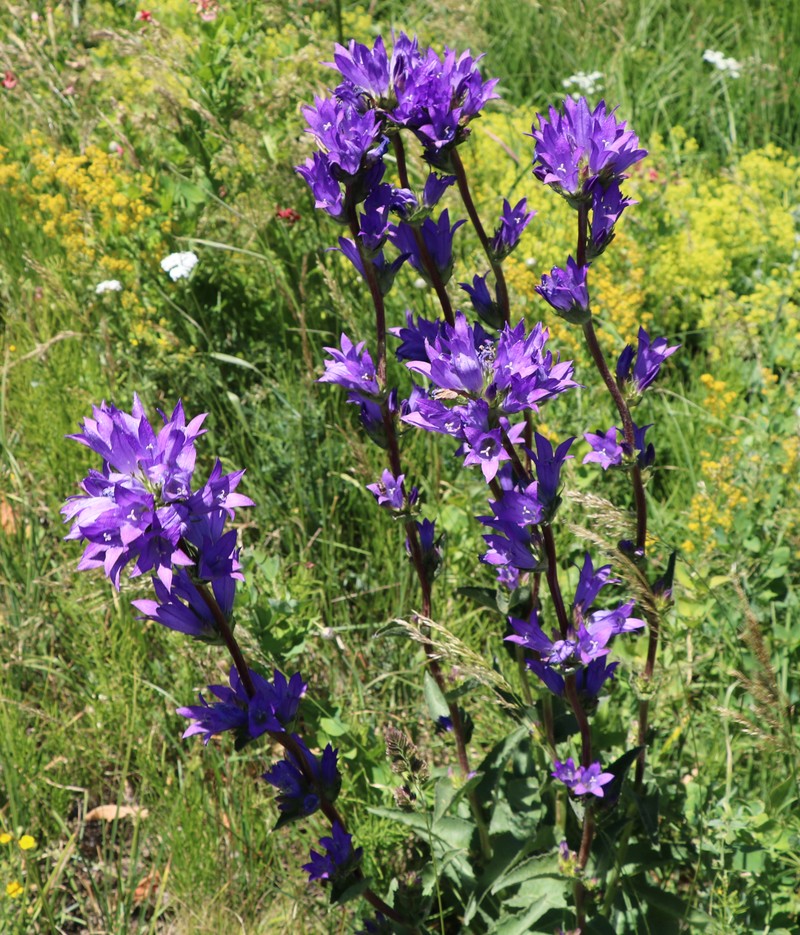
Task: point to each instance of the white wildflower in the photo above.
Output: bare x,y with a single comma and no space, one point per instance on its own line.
585,84
179,265
108,285
728,66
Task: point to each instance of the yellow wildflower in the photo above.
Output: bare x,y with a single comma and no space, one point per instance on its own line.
14,889
27,843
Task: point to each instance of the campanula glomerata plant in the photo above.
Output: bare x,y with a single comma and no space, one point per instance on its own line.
505,848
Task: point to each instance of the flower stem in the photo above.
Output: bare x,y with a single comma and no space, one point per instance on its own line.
469,204
640,501
375,292
285,739
430,266
226,632
415,548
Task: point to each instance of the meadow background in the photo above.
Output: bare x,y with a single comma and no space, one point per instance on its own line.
124,138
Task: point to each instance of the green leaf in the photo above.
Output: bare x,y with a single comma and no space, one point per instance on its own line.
333,727
437,704
541,865
455,833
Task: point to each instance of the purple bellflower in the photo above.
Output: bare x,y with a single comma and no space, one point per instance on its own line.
609,449
487,308
438,239
303,786
272,708
351,367
390,492
327,191
566,291
140,508
182,608
415,210
582,780
513,222
590,584
340,859
578,146
351,140
548,463
607,207
649,358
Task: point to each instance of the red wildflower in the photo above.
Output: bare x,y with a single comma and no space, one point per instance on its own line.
288,214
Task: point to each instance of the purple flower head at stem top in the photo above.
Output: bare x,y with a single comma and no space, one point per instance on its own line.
140,506
339,861
578,146
438,239
272,708
438,97
390,492
351,367
352,141
513,222
566,291
304,784
582,780
649,358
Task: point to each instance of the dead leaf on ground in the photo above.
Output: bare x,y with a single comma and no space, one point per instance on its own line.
110,812
147,888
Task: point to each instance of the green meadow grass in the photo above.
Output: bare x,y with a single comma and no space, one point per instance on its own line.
88,693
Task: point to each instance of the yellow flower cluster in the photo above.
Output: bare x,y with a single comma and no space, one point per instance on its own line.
718,496
84,200
15,889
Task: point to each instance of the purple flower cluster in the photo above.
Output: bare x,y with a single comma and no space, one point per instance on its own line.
583,154
433,96
304,782
140,508
488,379
379,95
514,546
583,648
582,780
339,859
578,149
271,708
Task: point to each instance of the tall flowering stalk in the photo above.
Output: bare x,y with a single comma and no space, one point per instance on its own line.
484,386
144,510
583,155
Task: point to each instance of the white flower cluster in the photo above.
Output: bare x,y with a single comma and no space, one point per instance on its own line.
728,66
108,285
179,265
584,84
